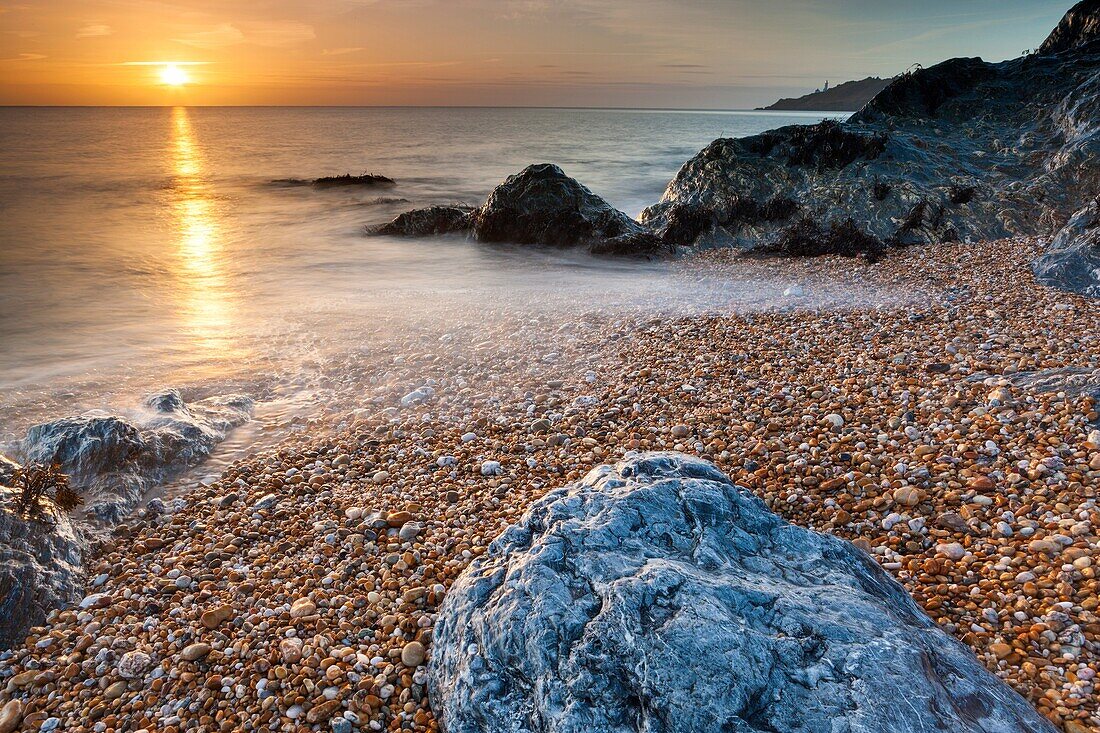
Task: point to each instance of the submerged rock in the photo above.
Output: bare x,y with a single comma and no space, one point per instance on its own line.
113,460
432,221
1073,262
657,596
963,150
539,205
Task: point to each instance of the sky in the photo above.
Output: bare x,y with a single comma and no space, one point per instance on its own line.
692,54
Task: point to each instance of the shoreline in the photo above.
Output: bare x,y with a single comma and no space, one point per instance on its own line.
863,420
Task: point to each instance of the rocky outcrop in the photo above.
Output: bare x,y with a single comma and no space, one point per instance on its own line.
538,206
657,596
40,568
1079,26
113,460
1073,262
845,97
963,150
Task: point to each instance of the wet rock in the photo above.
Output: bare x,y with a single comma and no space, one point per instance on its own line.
1079,26
963,150
431,221
1073,262
113,460
542,206
612,597
366,179
40,568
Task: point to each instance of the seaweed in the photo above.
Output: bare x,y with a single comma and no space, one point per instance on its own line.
40,486
366,179
808,238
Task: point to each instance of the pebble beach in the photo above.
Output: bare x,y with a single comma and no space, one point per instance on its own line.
298,592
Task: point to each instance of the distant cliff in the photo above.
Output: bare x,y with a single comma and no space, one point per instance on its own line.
847,97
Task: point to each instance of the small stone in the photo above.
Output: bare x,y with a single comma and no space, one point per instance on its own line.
680,431
11,715
133,665
907,496
115,691
952,550
491,468
322,712
291,650
302,607
214,618
412,654
196,651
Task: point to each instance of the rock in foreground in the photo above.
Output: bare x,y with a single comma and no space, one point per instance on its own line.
656,596
543,206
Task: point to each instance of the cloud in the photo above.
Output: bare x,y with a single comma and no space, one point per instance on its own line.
271,33
341,51
26,57
225,34
94,30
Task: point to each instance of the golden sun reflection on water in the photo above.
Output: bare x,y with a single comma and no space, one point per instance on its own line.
204,300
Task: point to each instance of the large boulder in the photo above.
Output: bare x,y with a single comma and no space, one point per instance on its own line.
1073,261
963,150
540,205
657,596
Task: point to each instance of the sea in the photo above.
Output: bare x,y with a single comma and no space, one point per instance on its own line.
148,248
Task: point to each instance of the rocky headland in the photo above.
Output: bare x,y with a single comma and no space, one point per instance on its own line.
845,97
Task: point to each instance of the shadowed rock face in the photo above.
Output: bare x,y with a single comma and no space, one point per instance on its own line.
656,596
40,569
540,206
1080,25
962,150
1073,262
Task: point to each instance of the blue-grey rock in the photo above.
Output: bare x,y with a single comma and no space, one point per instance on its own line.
113,460
41,568
657,596
1073,260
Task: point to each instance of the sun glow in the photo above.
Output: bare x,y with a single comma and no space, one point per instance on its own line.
173,75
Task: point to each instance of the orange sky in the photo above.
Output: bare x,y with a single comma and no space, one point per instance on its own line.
647,53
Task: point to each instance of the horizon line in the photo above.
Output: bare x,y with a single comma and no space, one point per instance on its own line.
420,106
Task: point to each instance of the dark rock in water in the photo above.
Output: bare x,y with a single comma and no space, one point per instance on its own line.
963,150
113,460
40,569
540,205
1073,262
367,179
656,596
432,221
1079,26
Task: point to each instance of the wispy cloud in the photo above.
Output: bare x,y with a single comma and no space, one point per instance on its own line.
94,30
271,33
26,57
341,51
163,63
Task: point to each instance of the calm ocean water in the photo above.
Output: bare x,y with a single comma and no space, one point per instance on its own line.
147,247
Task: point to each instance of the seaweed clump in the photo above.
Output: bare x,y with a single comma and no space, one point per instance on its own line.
808,238
366,179
42,488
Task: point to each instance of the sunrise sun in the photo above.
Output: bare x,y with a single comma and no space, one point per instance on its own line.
173,75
